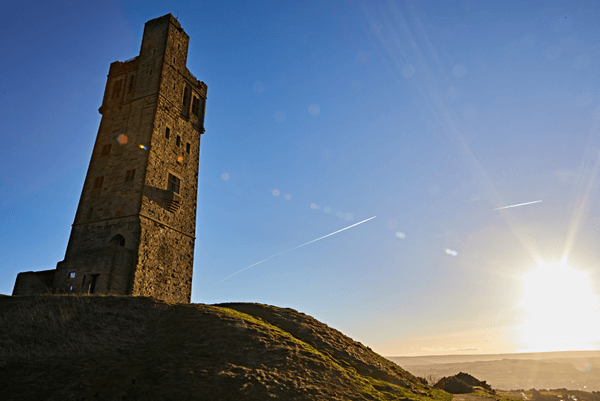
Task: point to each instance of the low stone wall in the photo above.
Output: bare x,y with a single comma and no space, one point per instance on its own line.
33,283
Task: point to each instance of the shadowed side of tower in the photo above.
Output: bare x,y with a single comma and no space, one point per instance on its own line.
134,227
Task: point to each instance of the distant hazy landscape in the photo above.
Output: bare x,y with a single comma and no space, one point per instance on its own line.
574,370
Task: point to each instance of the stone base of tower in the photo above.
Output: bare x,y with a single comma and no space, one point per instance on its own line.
106,270
165,263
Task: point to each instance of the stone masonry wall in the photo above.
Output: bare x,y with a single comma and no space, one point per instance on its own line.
133,232
30,283
165,263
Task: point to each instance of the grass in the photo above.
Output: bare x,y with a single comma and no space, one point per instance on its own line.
51,326
90,347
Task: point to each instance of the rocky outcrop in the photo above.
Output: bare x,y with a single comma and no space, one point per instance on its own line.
462,383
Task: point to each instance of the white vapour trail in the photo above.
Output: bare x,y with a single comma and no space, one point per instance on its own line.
299,246
520,204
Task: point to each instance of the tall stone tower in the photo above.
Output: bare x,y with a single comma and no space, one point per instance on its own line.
134,227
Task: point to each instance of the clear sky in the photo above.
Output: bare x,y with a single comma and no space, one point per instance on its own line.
428,115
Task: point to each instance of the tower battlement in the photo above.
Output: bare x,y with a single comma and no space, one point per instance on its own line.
134,227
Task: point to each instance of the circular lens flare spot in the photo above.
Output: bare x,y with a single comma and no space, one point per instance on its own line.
276,192
313,206
314,109
224,176
402,235
143,147
180,159
122,139
287,197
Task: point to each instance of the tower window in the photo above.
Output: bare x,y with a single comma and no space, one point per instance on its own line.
201,108
117,88
167,132
105,150
173,184
130,89
118,240
98,182
178,141
150,72
187,147
129,175
89,213
187,94
71,274
195,105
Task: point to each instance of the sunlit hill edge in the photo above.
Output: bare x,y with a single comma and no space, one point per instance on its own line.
63,347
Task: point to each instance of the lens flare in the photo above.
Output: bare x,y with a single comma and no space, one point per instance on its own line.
451,252
180,159
122,139
314,109
276,192
143,147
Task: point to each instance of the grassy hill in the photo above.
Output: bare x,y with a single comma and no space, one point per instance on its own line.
133,348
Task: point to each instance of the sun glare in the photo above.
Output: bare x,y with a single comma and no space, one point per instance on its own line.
562,311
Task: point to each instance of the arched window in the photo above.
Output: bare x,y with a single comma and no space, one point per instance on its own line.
118,240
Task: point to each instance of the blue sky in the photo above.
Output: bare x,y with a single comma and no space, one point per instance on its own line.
427,115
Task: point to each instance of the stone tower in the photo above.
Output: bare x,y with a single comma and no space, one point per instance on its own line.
134,227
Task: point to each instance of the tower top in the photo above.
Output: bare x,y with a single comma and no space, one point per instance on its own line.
165,18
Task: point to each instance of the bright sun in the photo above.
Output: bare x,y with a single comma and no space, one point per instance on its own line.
562,311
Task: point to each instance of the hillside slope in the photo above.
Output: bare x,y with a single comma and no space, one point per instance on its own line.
509,374
124,348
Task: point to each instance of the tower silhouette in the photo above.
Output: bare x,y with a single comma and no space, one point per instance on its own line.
134,227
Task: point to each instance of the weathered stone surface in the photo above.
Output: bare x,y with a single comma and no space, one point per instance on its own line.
134,227
34,283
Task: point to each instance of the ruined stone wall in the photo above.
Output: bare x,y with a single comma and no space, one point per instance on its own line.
107,249
33,283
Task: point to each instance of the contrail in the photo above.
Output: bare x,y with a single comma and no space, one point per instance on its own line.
520,204
299,246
